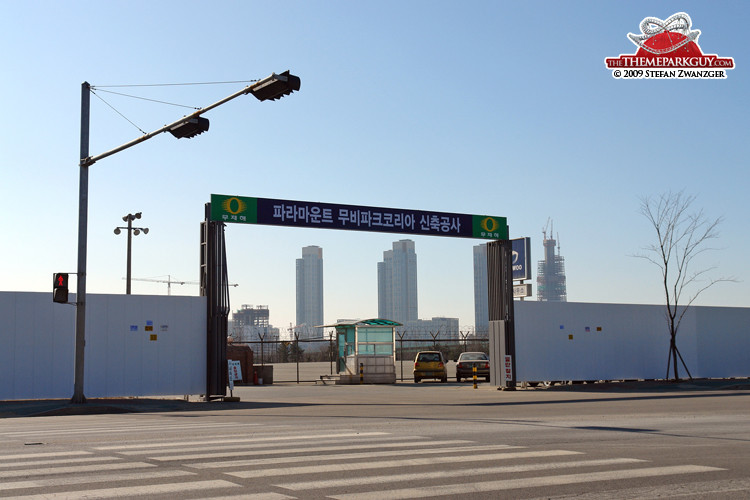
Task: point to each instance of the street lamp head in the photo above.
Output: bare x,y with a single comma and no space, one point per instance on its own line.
136,231
275,86
117,230
126,217
138,215
145,230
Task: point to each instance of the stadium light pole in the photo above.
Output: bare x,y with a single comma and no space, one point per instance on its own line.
132,231
268,89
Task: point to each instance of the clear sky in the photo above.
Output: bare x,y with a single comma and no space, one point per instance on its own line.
478,107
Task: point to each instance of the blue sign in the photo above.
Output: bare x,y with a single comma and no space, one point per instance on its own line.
521,259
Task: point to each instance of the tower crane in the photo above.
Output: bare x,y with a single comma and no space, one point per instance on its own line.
547,226
169,281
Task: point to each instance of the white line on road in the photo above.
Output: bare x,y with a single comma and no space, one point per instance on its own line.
349,456
301,437
253,496
505,469
74,469
527,482
130,428
293,447
21,456
130,491
317,469
103,478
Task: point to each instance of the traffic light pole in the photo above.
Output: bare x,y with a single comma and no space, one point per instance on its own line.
270,88
83,209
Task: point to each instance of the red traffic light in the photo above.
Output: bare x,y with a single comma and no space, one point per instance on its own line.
60,288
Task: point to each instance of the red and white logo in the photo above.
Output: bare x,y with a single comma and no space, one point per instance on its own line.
668,49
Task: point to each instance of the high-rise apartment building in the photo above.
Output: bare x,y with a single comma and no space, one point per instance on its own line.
397,283
310,292
481,300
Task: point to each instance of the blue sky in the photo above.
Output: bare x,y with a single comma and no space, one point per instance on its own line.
491,107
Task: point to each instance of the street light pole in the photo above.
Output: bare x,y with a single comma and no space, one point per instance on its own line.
83,208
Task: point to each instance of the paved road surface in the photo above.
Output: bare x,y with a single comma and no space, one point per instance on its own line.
402,441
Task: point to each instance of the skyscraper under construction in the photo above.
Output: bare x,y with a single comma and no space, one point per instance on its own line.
550,276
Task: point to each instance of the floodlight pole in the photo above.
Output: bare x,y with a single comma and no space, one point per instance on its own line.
83,195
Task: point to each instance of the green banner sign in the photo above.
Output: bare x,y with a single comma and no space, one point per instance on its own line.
266,211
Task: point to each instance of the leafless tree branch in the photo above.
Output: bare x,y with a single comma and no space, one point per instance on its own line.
681,236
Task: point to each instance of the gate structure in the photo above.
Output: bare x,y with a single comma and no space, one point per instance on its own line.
275,212
215,287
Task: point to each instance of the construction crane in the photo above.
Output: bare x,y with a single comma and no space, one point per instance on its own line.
169,281
546,227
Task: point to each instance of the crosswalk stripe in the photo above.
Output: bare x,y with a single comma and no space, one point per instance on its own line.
270,495
130,428
213,464
228,454
128,491
316,469
266,448
81,469
103,478
302,446
506,469
721,488
21,456
258,439
527,482
36,463
345,456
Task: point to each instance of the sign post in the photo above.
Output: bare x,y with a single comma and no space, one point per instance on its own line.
235,373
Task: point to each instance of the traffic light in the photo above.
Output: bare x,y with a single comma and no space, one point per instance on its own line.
190,128
60,288
276,86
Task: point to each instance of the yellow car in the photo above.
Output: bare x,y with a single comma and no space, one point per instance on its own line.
430,364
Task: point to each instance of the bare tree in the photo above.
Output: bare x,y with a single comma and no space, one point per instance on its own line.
682,235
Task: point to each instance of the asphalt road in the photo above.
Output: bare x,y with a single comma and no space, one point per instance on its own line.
646,440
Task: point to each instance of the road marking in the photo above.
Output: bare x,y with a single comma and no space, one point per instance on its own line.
269,448
128,491
44,455
317,469
527,482
347,456
253,496
300,437
103,478
130,428
73,470
702,489
36,463
506,469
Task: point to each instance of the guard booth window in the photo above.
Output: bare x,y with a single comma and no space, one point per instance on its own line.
375,341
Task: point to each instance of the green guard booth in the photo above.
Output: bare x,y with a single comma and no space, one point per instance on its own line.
367,345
